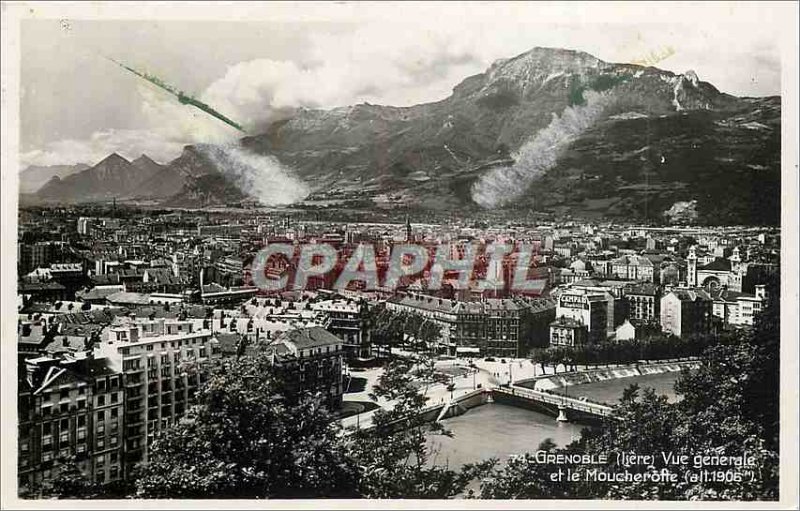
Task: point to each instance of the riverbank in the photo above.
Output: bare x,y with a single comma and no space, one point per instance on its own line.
553,382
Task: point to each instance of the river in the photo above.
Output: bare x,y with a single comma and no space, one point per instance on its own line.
497,430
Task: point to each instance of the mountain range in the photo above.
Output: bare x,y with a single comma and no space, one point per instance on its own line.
548,130
35,176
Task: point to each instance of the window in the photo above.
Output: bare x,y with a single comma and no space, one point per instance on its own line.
101,416
101,443
81,391
64,408
113,441
114,382
114,397
64,393
114,457
47,456
114,472
46,410
47,428
114,412
81,448
101,476
149,347
82,404
64,424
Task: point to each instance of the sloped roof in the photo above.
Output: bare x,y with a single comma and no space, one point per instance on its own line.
128,297
96,293
691,294
313,337
645,288
718,264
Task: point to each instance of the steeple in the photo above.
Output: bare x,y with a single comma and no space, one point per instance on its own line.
691,270
408,229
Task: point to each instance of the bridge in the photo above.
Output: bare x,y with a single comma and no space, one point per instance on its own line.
563,406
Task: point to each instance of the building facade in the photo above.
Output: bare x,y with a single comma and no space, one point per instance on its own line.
686,312
161,362
69,410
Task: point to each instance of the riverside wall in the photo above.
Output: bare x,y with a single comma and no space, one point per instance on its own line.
566,379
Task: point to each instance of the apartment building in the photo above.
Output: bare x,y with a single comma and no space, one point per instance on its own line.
503,327
644,303
311,361
345,319
738,309
161,362
69,409
686,312
587,310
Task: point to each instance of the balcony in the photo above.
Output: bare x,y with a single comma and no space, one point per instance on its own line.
135,420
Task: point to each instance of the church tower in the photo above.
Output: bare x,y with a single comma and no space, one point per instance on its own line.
738,270
691,270
408,230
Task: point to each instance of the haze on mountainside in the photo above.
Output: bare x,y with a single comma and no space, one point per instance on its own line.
548,130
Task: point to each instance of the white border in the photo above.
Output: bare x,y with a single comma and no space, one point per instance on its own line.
782,16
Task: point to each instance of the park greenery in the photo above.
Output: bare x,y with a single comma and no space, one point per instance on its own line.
250,436
400,329
656,346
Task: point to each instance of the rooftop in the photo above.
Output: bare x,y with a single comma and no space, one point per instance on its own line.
313,337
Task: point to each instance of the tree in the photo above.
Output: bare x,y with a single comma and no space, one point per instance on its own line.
393,457
729,408
249,437
522,478
69,483
542,357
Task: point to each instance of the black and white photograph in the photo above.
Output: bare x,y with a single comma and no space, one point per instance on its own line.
388,254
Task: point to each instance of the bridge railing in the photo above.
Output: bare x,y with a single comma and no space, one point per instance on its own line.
568,402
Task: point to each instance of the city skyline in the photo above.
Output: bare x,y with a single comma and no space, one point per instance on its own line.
350,253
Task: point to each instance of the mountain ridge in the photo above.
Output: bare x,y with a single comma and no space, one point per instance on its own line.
434,155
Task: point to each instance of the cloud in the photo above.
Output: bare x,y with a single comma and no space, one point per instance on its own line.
261,177
388,63
172,126
375,64
367,66
128,143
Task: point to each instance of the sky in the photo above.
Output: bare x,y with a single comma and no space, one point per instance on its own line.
78,106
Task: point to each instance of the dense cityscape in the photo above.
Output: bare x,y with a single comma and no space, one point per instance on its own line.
396,255
124,315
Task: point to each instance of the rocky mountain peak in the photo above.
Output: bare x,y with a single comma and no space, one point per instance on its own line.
114,159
